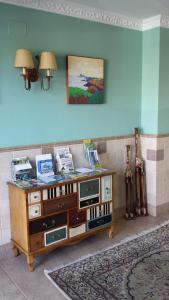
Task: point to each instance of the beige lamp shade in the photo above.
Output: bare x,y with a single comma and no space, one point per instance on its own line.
47,61
23,59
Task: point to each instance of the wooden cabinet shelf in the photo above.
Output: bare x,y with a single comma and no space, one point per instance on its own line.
48,217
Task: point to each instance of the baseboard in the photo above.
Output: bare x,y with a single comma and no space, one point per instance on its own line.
156,211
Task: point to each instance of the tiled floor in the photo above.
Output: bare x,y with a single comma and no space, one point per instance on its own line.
17,283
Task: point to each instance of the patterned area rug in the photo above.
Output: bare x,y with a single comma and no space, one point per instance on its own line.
137,269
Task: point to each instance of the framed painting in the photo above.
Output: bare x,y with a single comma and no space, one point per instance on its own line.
85,80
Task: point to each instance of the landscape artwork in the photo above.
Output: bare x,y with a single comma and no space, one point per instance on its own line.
85,80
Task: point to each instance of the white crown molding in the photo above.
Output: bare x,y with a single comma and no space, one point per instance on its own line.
155,22
66,8
79,11
151,23
165,21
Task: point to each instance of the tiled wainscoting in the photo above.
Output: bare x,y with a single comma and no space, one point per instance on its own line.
112,153
155,152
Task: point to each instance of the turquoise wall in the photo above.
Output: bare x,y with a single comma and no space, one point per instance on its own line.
41,117
163,109
155,82
150,81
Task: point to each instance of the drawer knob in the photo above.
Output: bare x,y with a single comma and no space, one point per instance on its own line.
49,226
60,205
100,222
45,225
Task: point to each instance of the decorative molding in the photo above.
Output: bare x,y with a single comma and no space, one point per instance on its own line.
151,23
85,12
79,11
165,21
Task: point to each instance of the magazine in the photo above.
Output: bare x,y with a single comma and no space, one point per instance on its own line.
44,165
64,160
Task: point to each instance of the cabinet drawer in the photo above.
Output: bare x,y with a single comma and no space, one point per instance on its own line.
77,230
34,211
76,217
57,205
55,236
36,241
100,221
47,223
34,197
89,188
106,183
89,202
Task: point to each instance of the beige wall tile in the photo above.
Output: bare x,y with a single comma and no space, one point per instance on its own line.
101,147
149,143
5,236
78,155
163,142
155,155
1,238
162,209
5,222
152,210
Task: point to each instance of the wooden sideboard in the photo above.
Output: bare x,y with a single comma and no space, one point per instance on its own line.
50,216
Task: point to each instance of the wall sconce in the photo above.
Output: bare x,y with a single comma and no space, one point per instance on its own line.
23,59
30,74
48,64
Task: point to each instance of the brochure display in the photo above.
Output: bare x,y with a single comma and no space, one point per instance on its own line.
91,154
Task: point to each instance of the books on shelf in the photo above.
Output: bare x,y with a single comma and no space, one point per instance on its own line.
64,160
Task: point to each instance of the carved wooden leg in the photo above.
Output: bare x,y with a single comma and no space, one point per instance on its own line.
15,250
30,260
111,230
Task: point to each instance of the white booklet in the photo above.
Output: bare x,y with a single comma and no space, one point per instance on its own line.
64,160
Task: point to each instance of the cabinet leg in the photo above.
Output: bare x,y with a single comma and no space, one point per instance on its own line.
15,250
111,230
30,260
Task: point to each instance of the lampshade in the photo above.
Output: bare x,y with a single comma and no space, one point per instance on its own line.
23,59
47,61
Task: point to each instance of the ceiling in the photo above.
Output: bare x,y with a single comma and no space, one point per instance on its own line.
131,8
134,14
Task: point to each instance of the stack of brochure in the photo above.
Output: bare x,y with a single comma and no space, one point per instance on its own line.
64,160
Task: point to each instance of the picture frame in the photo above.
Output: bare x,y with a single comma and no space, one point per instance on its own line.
84,80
